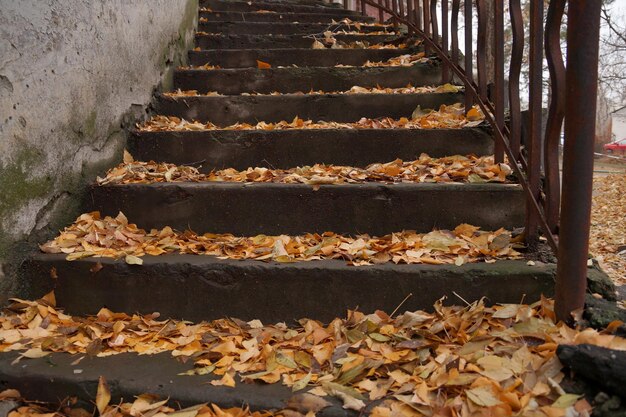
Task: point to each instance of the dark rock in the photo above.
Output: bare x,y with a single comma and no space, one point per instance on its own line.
600,312
604,367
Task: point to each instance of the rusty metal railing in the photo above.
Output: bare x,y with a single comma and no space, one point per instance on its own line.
563,220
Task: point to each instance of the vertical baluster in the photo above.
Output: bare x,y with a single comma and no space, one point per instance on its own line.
499,76
535,110
454,31
481,52
387,4
583,21
401,7
381,14
409,12
445,71
418,15
433,21
517,53
556,111
346,4
426,10
469,51
394,7
363,8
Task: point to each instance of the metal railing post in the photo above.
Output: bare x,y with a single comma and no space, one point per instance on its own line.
583,29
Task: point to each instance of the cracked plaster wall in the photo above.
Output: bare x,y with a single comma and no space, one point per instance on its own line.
74,76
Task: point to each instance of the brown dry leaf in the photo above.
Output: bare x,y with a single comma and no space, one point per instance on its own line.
416,361
409,89
305,403
447,117
206,67
607,242
456,168
145,405
116,237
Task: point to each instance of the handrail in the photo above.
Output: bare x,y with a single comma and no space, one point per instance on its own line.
564,222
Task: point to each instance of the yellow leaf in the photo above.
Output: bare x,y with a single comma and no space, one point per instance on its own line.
302,383
227,381
566,400
133,260
448,88
103,395
483,396
318,45
128,158
34,353
473,115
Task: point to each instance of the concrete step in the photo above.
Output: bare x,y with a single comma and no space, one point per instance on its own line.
281,28
216,41
291,80
207,288
128,375
291,7
218,15
289,148
304,57
249,209
228,110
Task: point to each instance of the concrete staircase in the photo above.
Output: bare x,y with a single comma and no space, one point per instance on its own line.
233,35
214,288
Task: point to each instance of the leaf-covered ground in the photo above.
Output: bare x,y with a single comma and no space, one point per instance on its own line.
115,237
457,361
608,225
145,405
447,117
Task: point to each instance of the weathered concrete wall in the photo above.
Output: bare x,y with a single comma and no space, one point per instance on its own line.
74,76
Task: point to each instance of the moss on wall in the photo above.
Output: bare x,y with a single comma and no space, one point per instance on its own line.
78,122
20,183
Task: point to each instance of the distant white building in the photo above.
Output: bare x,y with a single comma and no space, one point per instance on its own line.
619,123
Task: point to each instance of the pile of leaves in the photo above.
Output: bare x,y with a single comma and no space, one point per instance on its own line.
447,117
144,405
347,22
90,235
406,60
457,168
457,361
327,38
357,24
332,43
608,225
397,61
409,89
206,66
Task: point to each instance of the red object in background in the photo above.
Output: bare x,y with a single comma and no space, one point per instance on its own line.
617,146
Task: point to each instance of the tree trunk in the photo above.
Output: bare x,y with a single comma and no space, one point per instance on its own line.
604,125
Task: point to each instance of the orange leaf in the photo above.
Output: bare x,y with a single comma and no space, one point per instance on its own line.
263,65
